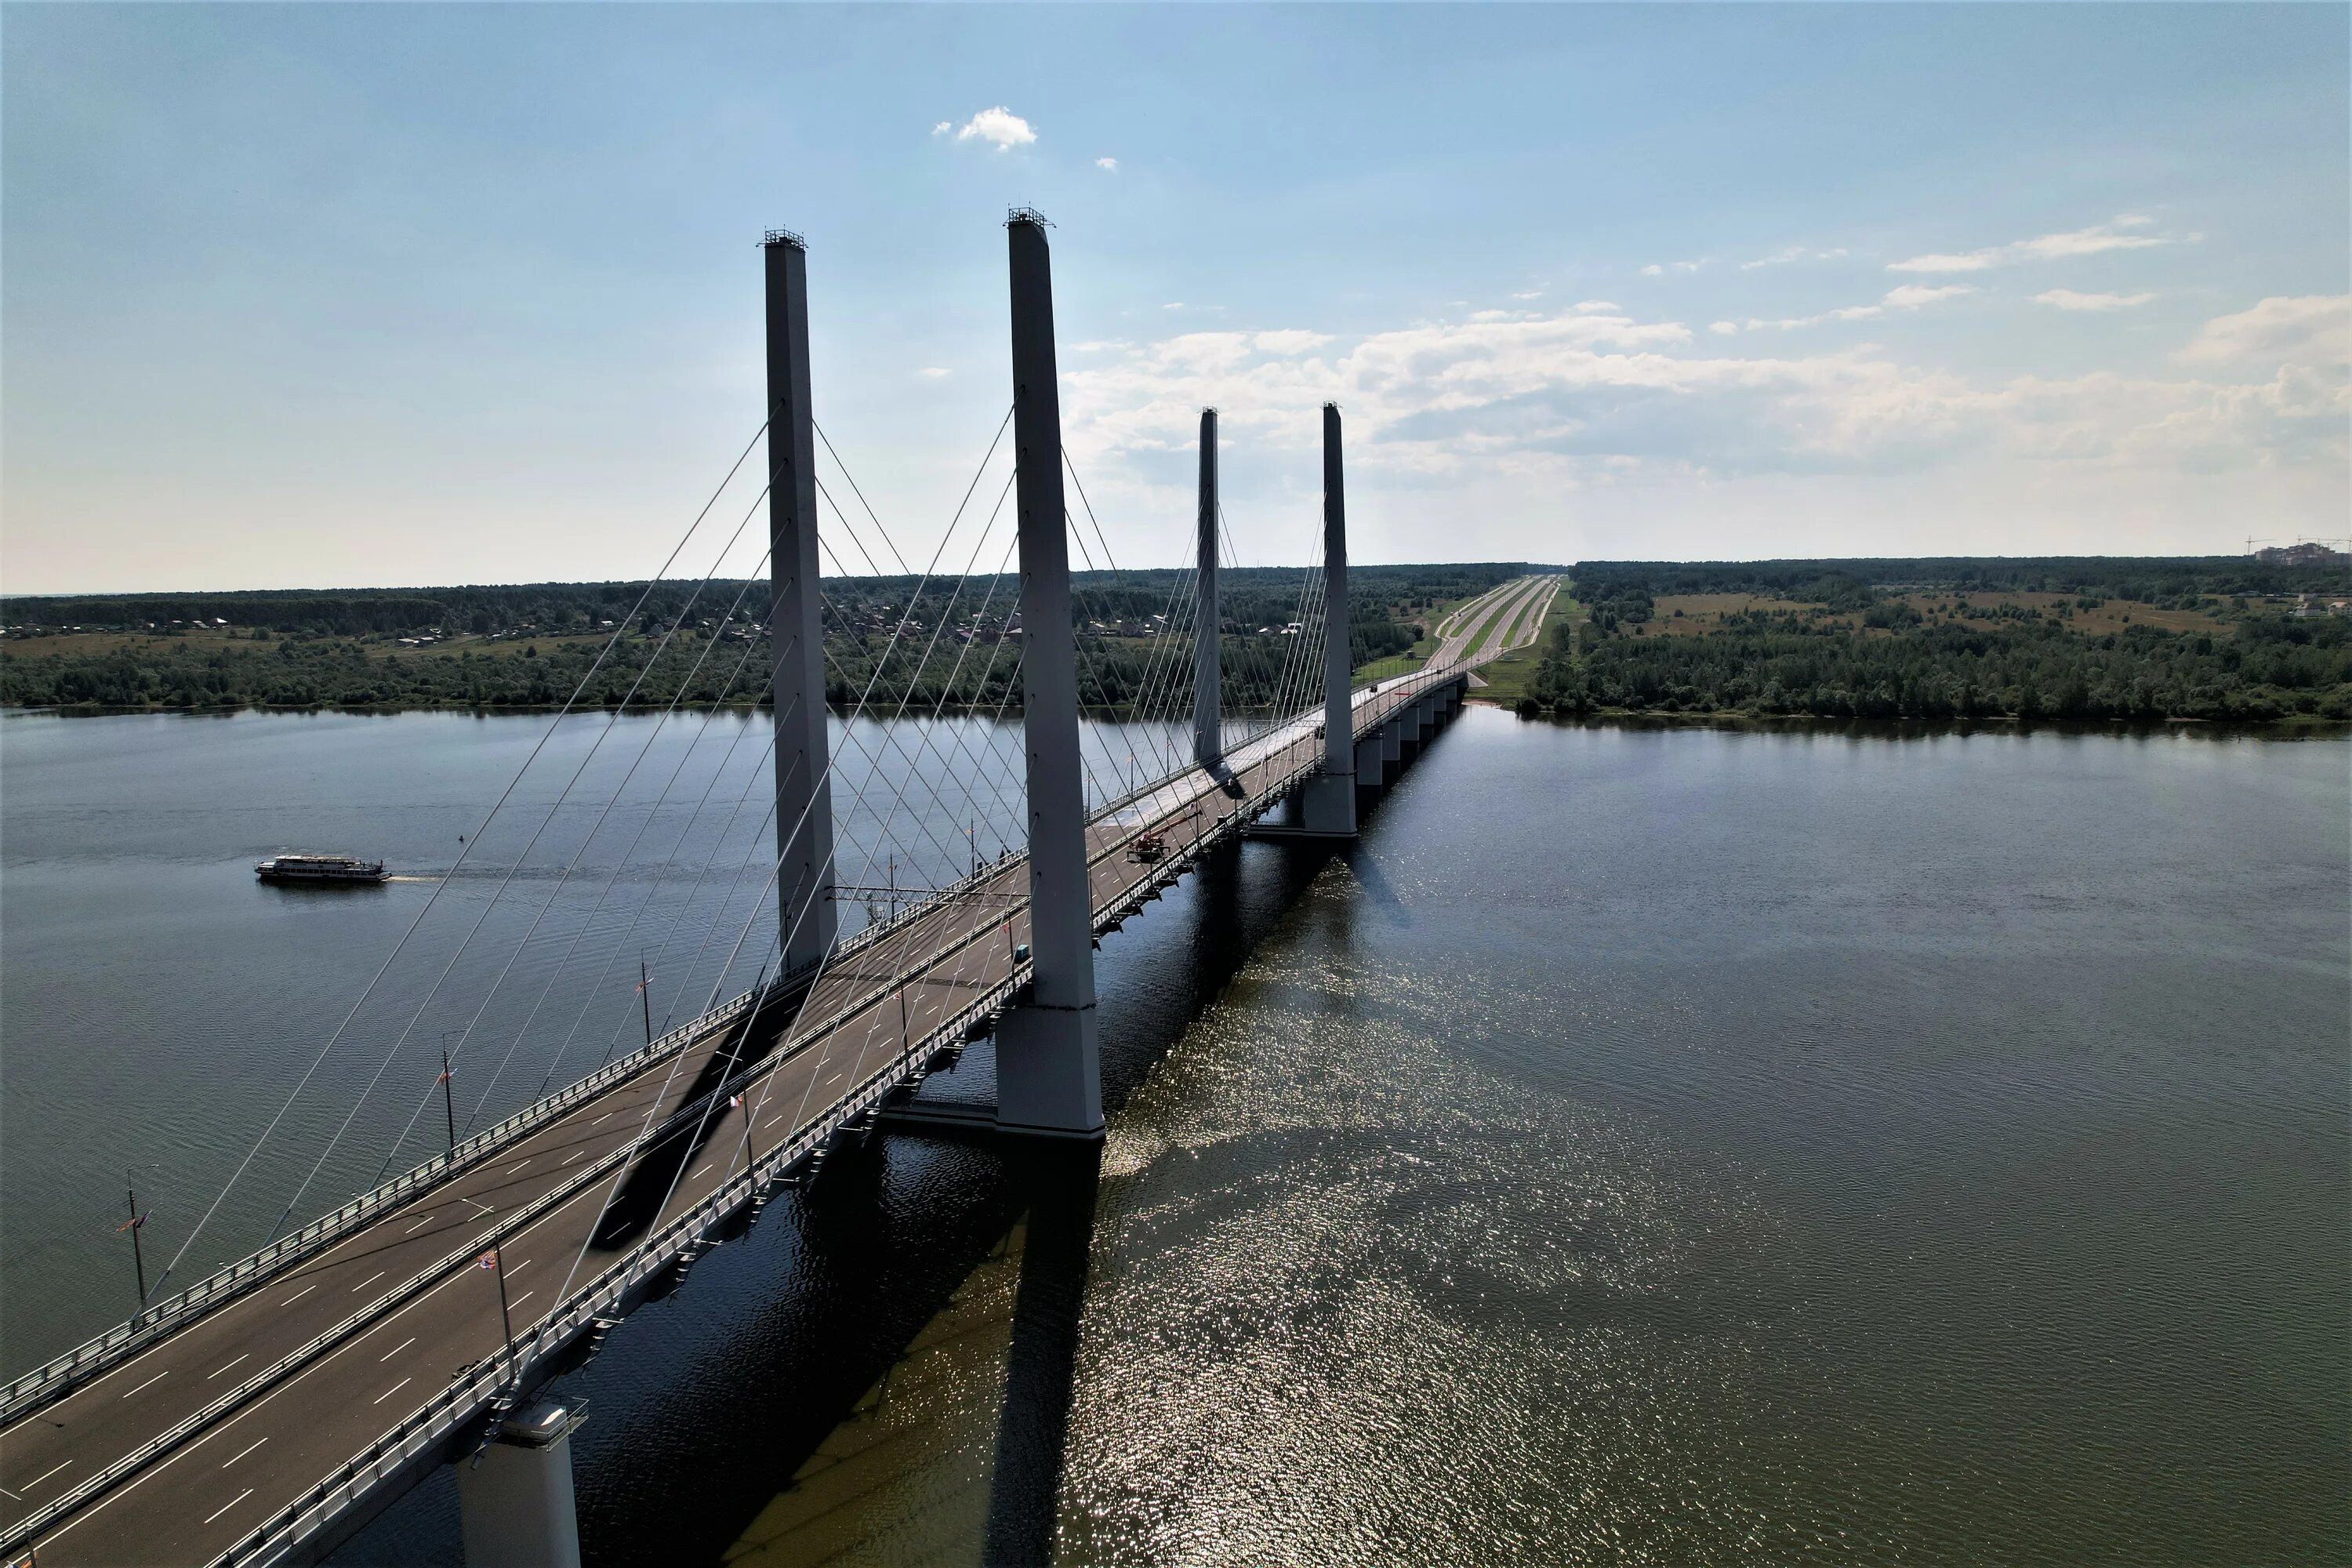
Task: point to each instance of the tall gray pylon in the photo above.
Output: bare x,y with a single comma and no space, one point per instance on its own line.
795,632
1208,732
1048,1068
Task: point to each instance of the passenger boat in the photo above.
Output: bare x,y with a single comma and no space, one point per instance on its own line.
294,868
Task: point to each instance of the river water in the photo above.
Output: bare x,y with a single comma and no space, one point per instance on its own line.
1668,1145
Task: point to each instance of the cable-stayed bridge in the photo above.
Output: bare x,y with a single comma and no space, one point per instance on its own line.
262,1413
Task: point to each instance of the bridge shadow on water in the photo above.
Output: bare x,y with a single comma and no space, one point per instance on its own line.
882,1369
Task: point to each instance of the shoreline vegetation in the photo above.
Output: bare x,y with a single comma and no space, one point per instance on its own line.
2093,641
2221,643
528,648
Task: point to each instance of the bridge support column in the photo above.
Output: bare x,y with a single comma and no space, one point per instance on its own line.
1208,709
514,1508
1369,776
1328,802
795,634
1393,735
1048,1068
1425,719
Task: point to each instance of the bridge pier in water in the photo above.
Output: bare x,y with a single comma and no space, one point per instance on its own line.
1048,1063
514,1502
805,910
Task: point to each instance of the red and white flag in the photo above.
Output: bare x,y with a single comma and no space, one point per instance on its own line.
489,1259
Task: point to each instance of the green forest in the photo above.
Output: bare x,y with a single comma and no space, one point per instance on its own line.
888,640
2116,638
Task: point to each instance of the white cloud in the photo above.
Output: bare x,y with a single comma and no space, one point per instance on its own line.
934,372
1660,269
1788,254
2069,300
1726,328
1173,305
2089,241
943,127
1529,294
999,126
1908,297
1107,166
1583,305
2310,329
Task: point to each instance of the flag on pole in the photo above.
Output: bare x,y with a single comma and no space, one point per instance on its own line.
133,1223
735,1102
488,1259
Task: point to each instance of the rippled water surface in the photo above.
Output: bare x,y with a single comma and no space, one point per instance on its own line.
1669,1146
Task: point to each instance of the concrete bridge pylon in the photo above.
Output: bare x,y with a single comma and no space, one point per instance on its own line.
1327,804
795,631
1208,718
1048,1065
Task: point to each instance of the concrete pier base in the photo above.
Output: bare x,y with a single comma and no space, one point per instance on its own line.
1049,1073
1425,717
514,1507
1392,749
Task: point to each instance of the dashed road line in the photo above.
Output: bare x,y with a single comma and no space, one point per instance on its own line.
228,1505
241,1453
368,1281
217,1370
388,1392
299,1294
150,1382
397,1348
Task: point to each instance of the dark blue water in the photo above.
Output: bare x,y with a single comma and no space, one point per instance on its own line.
1663,1146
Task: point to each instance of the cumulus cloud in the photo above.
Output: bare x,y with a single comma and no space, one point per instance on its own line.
1573,398
2311,330
999,126
2069,300
1529,294
1908,297
1584,305
1725,327
1788,254
935,372
1660,269
943,127
2089,241
1107,166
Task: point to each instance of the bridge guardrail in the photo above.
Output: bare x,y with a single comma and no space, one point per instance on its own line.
461,1402
61,1376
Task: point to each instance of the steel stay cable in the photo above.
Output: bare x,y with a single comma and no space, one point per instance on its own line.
508,880
644,751
471,844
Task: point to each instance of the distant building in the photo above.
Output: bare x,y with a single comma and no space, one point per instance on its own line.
2306,552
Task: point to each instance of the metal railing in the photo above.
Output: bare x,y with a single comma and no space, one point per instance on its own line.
59,1377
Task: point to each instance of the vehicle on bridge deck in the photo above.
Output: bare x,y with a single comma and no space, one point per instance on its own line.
288,866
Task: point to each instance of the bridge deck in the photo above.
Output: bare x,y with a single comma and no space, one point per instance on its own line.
865,1014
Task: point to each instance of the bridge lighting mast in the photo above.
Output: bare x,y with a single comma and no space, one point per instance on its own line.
1048,1070
1208,734
795,634
1327,804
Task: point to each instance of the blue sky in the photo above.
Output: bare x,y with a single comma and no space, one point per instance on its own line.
362,295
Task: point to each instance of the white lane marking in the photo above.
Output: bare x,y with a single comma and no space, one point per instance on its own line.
519,1268
150,1382
397,1348
241,1453
388,1392
573,1155
420,1224
526,1296
217,1370
518,1165
118,1493
45,1475
368,1281
606,1116
698,1175
486,1208
228,1505
299,1294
